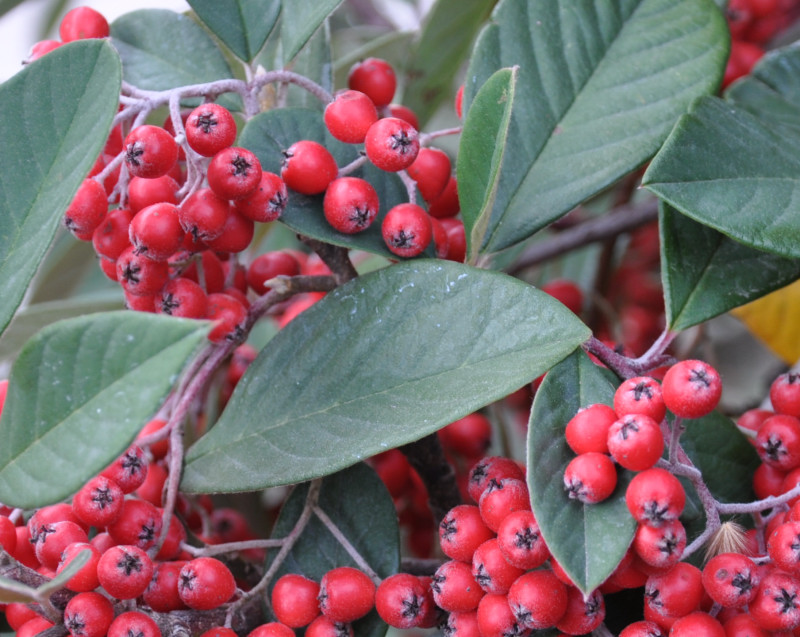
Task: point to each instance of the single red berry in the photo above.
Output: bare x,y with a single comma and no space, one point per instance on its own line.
124,571
236,235
661,546
731,579
40,49
350,204
205,583
461,531
294,600
209,129
495,618
374,77
161,593
405,113
583,615
459,102
767,481
783,546
407,230
308,167
234,172
229,316
346,594
139,275
784,393
491,570
88,615
776,605
590,477
538,599
567,292
454,587
111,237
456,239
655,496
349,116
146,192
133,624
677,592
150,151
502,498
488,470
129,469
98,502
401,601
8,534
52,538
469,436
17,614
324,627
392,144
431,170
87,209
640,395
441,242
204,214
267,202
271,629
82,23
778,442
691,389
182,298
138,524
521,541
269,265
697,623
588,429
446,205
635,442
156,231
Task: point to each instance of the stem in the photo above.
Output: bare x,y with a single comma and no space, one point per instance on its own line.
410,184
351,550
426,138
230,547
352,166
336,258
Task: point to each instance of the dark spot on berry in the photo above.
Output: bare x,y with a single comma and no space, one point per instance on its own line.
130,273
402,239
436,583
133,152
668,544
642,390
774,448
655,514
787,601
102,497
401,142
241,167
742,582
448,528
168,302
699,378
482,577
526,538
206,122
360,217
629,427
147,533
131,464
129,564
75,624
277,203
187,580
412,606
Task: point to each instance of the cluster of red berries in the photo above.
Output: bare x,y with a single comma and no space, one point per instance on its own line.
753,23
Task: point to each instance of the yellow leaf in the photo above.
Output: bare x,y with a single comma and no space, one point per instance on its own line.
775,320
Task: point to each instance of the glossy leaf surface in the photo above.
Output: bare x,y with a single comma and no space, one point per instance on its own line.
79,392
588,541
705,273
601,85
243,25
56,116
381,361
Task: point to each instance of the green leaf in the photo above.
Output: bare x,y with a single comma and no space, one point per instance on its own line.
64,575
269,133
447,34
600,87
704,273
243,25
56,116
384,360
12,591
161,50
480,154
724,456
588,541
79,392
375,536
300,19
729,170
7,5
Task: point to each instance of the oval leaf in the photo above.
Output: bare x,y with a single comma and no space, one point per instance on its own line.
730,170
480,154
79,392
588,541
243,25
376,536
601,85
161,49
47,151
270,133
299,22
705,273
382,361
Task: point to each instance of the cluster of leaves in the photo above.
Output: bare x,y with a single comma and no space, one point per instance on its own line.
561,101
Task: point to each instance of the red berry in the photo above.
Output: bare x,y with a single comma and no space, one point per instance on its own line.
129,470
267,202
456,239
635,442
271,629
446,204
236,235
495,618
778,442
776,605
161,593
407,230
642,629
324,627
87,209
349,116
133,623
502,498
588,429
156,231
783,546
459,101
406,114
346,594
234,172
209,129
582,615
784,393
392,144
204,214
691,389
431,170
98,502
567,292
111,237
655,496
138,524
124,571
488,470
374,77
88,615
697,623
662,546
139,275
350,204
731,579
521,541
469,436
146,192
454,587
150,151
590,477
640,395
53,538
294,600
677,592
491,570
308,167
205,583
82,23
538,599
182,298
461,531
402,601
229,316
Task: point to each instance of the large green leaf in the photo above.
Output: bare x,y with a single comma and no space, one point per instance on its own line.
375,536
447,34
601,85
588,541
732,171
78,394
705,273
161,50
243,25
56,116
384,360
300,19
271,132
480,155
